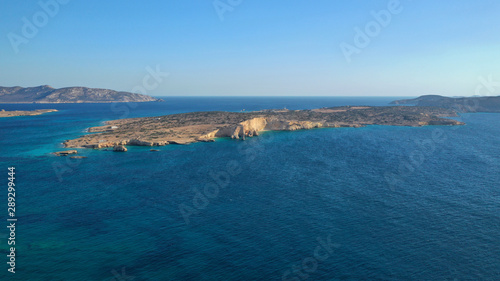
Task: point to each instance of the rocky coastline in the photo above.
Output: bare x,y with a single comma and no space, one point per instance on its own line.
47,94
4,113
193,127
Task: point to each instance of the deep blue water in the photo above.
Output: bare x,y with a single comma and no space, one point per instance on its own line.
373,203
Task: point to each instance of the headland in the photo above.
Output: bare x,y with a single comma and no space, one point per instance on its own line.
192,127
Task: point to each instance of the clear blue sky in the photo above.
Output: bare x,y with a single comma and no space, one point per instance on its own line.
261,47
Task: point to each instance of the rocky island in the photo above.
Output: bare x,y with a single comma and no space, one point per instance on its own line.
205,126
461,104
4,113
47,94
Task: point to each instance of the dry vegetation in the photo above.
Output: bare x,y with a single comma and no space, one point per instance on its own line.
4,113
202,126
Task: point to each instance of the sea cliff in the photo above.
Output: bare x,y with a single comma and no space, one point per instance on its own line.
206,126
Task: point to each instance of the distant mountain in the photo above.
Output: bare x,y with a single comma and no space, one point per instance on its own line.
470,104
47,94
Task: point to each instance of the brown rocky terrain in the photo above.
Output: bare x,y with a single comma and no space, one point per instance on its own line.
47,94
4,113
205,126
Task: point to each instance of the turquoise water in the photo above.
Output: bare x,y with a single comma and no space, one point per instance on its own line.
380,202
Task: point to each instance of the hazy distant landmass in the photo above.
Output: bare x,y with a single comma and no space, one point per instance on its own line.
47,94
462,104
205,126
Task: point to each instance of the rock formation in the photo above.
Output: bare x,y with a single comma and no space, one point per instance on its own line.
206,126
47,94
65,153
119,148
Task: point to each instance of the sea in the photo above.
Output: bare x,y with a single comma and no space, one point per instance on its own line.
371,203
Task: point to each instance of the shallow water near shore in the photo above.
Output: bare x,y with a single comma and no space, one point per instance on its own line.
395,203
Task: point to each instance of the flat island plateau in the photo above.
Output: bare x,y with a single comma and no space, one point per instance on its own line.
4,113
193,127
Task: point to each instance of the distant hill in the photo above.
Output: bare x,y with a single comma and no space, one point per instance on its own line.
47,94
470,104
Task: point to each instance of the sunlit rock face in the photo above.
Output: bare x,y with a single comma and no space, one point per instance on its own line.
47,94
